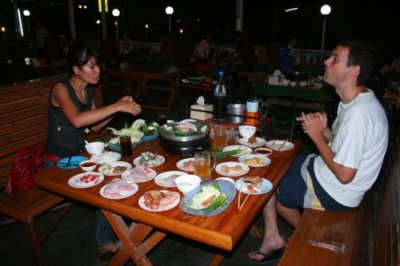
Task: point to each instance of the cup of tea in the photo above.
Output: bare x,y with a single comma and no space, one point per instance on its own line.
126,146
220,139
204,163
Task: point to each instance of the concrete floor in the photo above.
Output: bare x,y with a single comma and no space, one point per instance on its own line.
73,243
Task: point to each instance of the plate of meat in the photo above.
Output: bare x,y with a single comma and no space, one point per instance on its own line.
86,180
167,179
232,169
253,185
159,200
118,189
139,174
186,164
252,142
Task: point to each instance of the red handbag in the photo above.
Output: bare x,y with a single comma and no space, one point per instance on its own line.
27,162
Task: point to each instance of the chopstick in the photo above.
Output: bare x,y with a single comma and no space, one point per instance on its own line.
240,205
282,145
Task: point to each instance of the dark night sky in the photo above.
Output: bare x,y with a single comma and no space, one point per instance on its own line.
264,20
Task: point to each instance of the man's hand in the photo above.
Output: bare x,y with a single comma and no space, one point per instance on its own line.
313,124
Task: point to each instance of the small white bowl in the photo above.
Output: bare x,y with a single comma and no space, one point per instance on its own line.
247,131
186,183
95,148
263,151
87,165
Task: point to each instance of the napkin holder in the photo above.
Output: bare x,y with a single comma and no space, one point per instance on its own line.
201,112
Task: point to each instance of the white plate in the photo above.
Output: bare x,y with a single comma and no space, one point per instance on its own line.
107,169
132,178
244,169
245,141
163,208
137,161
181,165
261,159
246,150
76,180
162,179
276,145
106,157
135,189
266,186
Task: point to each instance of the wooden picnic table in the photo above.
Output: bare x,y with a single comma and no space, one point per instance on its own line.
221,232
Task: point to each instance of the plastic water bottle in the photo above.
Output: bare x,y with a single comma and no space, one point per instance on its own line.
220,95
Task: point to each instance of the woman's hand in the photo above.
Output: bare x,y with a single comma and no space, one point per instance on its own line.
127,105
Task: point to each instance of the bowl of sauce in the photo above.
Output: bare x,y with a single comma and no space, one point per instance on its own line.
88,165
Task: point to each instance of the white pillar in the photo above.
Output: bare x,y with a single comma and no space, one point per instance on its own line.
239,15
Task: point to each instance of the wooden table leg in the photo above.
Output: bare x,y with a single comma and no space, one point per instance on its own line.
135,241
216,260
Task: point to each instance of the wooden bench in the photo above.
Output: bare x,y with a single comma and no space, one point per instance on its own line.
23,123
365,239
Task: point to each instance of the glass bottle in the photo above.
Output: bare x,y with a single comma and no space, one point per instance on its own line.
220,95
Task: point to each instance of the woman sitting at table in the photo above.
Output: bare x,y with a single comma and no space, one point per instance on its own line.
72,111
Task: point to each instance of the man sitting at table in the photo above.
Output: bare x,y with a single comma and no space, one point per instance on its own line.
351,154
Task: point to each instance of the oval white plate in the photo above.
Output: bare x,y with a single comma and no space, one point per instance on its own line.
102,169
276,145
106,157
162,179
133,178
266,186
163,208
246,150
135,189
264,160
137,161
181,165
245,141
245,169
76,182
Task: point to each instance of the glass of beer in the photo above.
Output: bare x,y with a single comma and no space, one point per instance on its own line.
204,163
220,139
126,146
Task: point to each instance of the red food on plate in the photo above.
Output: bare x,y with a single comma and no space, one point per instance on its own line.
153,199
88,178
253,183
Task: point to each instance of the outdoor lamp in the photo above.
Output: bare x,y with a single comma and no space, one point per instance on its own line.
115,12
325,11
169,11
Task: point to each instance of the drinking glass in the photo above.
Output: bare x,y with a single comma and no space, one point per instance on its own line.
126,146
220,139
204,163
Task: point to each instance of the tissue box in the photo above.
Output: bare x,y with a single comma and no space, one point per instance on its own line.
272,80
196,111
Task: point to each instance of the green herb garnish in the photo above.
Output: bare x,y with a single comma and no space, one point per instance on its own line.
222,154
219,202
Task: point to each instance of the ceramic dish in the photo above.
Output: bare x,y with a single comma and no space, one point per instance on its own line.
245,141
86,180
245,149
265,187
114,168
226,187
279,145
122,196
167,179
106,157
160,209
232,169
186,164
255,160
160,159
131,177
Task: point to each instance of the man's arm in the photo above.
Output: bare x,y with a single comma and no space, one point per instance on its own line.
315,126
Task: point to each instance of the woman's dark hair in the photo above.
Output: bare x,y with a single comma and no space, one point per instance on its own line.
361,54
80,53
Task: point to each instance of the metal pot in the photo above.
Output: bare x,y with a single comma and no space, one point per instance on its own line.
236,113
170,136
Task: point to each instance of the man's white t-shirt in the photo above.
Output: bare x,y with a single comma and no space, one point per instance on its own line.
360,138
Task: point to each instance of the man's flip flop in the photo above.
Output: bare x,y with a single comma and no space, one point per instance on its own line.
268,257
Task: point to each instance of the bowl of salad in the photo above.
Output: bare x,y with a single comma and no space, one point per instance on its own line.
184,131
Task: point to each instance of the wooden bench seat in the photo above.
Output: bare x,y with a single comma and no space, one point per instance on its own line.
23,123
369,233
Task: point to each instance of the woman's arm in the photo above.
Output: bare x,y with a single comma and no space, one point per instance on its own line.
60,97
